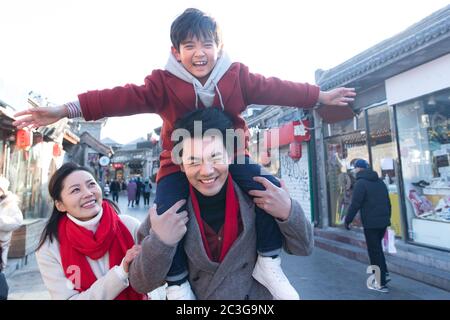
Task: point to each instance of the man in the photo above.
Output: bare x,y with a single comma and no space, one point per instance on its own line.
370,195
219,223
115,189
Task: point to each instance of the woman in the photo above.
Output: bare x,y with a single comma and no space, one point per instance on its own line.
131,188
86,248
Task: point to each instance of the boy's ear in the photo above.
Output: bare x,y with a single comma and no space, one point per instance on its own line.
175,53
220,50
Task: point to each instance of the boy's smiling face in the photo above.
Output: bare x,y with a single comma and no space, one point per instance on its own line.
198,56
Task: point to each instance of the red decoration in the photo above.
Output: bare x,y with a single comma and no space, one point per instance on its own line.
56,150
117,166
295,150
24,139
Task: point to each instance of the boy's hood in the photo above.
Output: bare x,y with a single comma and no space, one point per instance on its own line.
205,92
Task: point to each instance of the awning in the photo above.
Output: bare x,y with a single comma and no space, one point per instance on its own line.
333,114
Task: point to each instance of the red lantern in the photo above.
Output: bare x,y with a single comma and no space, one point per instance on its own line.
56,150
295,150
24,139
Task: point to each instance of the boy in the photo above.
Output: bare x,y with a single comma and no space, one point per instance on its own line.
199,74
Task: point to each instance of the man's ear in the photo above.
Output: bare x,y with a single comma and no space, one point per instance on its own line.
175,53
60,206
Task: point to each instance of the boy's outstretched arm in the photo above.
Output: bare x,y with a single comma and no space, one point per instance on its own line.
38,117
337,97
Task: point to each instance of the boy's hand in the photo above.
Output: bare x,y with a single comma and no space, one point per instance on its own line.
39,117
337,96
275,201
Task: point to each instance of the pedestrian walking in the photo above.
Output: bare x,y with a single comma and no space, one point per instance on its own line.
139,190
131,190
371,197
115,189
147,191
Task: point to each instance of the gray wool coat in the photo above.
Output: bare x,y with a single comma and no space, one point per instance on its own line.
232,278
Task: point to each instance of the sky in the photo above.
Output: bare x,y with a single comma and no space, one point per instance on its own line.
61,48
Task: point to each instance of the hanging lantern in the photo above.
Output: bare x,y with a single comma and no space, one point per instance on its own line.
56,150
295,150
24,139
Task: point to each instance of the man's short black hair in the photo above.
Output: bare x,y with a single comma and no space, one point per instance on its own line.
211,118
193,22
213,122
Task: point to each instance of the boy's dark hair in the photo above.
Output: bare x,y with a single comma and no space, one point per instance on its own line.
193,22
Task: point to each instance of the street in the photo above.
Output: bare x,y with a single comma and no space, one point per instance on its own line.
321,276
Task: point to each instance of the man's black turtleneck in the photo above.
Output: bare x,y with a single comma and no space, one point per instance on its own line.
212,209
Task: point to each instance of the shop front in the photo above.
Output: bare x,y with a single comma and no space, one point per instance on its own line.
285,152
369,136
424,141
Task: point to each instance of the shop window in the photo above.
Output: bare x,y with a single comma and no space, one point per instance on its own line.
342,151
424,142
384,157
357,123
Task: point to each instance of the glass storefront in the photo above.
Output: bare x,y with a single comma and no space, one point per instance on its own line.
378,147
346,142
424,144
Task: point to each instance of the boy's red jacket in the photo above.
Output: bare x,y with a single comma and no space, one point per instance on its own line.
172,98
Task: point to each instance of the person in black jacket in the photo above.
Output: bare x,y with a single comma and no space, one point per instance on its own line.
370,195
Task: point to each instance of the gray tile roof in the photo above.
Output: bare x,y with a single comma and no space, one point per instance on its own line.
431,30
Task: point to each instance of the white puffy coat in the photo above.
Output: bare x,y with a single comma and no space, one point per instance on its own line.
11,218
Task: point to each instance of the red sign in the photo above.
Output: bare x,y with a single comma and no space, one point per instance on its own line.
295,131
117,166
24,139
56,150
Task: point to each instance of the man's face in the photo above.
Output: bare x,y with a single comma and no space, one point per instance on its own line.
205,163
198,56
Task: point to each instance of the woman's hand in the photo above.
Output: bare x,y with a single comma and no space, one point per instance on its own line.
169,226
39,117
129,256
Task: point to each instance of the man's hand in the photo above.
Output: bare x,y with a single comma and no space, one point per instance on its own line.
275,201
170,226
39,117
337,97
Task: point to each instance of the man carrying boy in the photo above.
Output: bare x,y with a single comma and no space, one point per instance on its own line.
219,224
198,75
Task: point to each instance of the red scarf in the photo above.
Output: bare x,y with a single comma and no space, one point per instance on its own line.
230,229
77,242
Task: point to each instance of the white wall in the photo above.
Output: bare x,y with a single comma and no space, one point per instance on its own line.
296,176
429,77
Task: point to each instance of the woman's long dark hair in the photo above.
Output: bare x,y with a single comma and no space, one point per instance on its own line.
55,187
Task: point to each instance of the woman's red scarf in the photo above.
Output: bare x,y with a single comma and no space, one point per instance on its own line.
77,242
230,231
